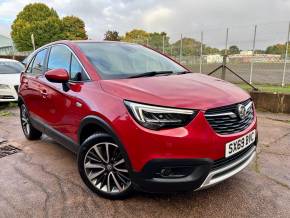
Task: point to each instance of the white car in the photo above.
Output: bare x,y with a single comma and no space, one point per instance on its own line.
9,79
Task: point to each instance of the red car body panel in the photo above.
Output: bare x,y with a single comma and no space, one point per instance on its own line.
194,91
105,99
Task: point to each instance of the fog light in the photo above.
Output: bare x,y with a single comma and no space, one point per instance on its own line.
166,172
175,172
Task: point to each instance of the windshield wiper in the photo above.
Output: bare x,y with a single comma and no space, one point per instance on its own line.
182,72
151,73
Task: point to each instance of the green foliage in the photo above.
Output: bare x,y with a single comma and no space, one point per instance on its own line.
277,49
136,36
233,49
191,46
112,36
73,28
156,40
44,23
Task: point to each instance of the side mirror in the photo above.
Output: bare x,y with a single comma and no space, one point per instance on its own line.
57,76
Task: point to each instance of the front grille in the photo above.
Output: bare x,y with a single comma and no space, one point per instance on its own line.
6,97
225,120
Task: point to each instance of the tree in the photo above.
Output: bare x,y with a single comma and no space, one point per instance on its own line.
191,47
112,36
136,36
156,40
233,49
73,28
277,49
44,23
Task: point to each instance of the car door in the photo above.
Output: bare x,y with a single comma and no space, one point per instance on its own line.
62,104
31,88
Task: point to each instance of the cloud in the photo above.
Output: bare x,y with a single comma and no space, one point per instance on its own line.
157,16
188,17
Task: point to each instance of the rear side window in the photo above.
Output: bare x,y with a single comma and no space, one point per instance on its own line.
38,63
59,57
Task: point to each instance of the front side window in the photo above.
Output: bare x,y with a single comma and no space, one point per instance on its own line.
62,58
122,60
59,58
38,63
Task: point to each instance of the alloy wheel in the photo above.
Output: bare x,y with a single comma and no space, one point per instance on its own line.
25,120
106,169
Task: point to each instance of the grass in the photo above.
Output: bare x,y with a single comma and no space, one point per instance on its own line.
4,107
4,113
267,88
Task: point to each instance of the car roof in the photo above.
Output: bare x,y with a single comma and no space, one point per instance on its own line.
8,60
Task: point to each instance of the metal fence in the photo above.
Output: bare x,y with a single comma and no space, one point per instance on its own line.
252,63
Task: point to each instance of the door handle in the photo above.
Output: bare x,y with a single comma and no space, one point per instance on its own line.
44,93
25,83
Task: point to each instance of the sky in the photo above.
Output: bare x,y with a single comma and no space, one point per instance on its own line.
176,17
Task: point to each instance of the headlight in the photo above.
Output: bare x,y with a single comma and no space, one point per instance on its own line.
155,117
3,86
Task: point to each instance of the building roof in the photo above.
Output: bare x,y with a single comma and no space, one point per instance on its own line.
5,41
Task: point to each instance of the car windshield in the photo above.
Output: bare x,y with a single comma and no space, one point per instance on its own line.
123,60
10,67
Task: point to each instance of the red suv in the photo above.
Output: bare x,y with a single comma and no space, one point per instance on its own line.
136,118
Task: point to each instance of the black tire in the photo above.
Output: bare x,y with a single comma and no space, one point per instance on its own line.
88,157
29,131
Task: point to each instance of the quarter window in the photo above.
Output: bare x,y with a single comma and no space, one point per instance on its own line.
76,71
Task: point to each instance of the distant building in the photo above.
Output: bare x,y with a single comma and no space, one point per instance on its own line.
246,52
213,59
248,57
6,45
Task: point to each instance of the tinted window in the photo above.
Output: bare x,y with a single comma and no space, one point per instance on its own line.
76,71
59,57
10,67
122,60
38,63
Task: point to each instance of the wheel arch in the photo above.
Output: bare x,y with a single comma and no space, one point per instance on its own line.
100,125
20,100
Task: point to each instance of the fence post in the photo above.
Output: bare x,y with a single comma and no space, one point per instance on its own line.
223,76
253,54
33,42
163,42
286,57
200,52
180,54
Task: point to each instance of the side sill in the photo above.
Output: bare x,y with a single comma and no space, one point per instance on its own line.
56,135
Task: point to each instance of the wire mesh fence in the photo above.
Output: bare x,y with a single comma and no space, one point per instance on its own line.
258,53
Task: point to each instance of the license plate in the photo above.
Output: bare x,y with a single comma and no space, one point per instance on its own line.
239,144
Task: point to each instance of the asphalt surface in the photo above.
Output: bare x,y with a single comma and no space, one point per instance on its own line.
42,181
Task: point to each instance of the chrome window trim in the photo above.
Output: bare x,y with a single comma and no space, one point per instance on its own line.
76,57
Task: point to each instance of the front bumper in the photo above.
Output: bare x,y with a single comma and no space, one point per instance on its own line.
9,94
198,173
